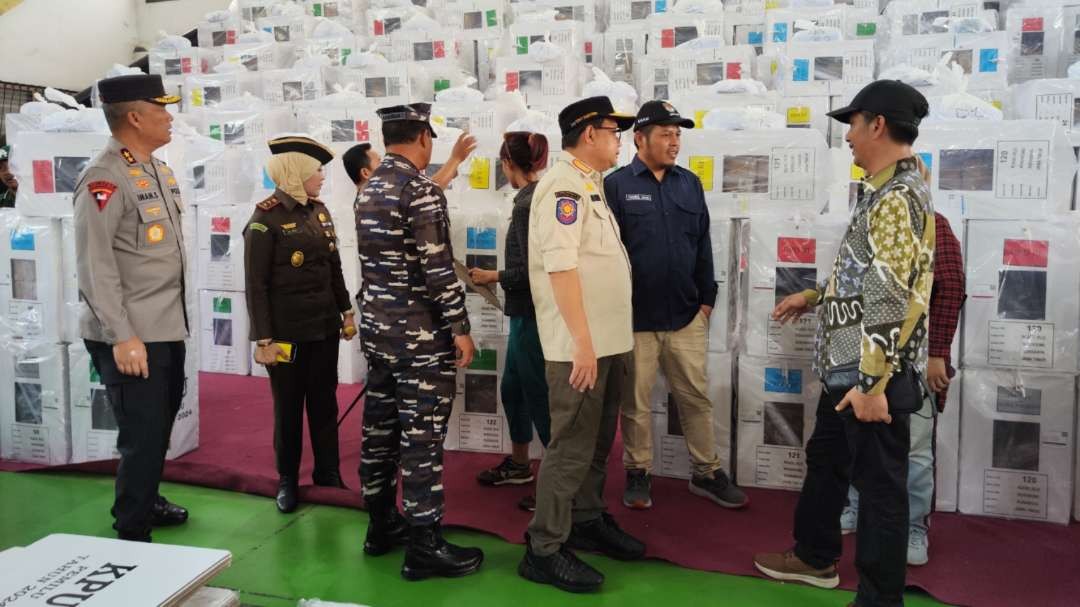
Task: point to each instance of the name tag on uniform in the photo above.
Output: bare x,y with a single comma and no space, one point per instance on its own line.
641,197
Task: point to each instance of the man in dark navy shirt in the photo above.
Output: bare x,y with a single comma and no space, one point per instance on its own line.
664,222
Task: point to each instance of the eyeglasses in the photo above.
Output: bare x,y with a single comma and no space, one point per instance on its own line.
616,131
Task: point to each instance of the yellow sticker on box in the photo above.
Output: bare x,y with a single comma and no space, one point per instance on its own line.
702,166
799,114
479,174
699,119
996,103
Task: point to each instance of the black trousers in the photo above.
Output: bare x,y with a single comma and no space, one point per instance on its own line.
874,458
312,378
145,410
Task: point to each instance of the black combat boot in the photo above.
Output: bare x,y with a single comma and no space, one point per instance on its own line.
429,555
288,494
386,530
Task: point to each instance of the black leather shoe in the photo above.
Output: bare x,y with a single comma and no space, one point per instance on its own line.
329,479
288,494
429,555
166,514
603,535
563,570
387,529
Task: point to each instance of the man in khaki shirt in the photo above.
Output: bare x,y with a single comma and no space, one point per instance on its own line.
580,277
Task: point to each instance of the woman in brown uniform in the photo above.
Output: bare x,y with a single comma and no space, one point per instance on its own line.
299,310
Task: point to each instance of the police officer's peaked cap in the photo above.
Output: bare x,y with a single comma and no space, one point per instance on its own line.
413,112
895,100
135,87
303,144
578,112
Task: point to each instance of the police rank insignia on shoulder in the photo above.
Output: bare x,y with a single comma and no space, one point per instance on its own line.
566,210
128,156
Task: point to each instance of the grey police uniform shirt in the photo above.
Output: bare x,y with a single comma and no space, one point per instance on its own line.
130,249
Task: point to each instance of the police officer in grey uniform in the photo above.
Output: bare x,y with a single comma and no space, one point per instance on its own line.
412,321
130,253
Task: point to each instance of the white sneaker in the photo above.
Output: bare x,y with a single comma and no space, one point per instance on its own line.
849,520
918,548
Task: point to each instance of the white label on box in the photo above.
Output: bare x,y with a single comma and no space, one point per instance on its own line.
674,457
791,176
780,467
485,318
28,316
1021,344
1055,106
480,433
1023,169
1015,494
101,445
793,339
858,67
31,443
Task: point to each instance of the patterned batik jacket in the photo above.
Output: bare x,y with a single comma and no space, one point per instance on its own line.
873,307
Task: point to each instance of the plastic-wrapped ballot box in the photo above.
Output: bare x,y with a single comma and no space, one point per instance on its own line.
781,25
775,417
826,68
745,172
667,31
1035,41
291,85
252,56
553,81
422,46
947,442
35,424
1017,443
705,67
567,35
221,246
337,48
722,234
285,29
631,14
72,306
48,166
485,120
671,457
176,62
224,344
478,237
696,101
1054,99
208,90
745,29
93,424
216,34
581,12
31,278
621,51
1019,169
386,84
1022,308
477,421
787,254
480,18
917,17
808,113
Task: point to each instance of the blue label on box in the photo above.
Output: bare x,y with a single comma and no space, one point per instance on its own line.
928,160
480,238
801,73
268,184
790,382
22,240
988,60
755,38
779,32
661,6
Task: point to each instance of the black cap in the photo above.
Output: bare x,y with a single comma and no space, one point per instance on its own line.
135,87
660,112
592,107
896,101
413,112
304,145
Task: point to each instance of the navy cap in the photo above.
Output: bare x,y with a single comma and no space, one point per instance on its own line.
592,107
413,112
896,101
135,87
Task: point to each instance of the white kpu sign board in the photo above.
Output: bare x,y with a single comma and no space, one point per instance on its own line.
744,172
63,569
221,246
1017,445
777,404
34,414
787,254
671,457
1022,286
224,346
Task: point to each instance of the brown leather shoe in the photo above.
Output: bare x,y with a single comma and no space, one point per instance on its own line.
787,567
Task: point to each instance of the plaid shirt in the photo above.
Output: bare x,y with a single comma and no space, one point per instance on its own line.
946,297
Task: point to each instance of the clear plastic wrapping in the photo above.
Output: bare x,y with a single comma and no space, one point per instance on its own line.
1017,444
478,227
722,235
668,30
775,417
48,166
668,75
93,424
73,305
36,423
540,82
224,340
628,14
221,246
788,253
1035,40
826,68
781,25
31,278
1022,308
1056,100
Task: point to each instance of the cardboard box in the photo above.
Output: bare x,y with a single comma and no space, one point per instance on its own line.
35,425
32,278
744,172
221,247
224,345
1017,444
1022,308
776,410
48,166
788,255
671,458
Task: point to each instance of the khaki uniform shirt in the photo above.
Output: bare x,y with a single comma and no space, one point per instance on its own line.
130,249
570,227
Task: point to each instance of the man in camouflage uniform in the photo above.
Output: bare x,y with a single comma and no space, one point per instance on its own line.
412,320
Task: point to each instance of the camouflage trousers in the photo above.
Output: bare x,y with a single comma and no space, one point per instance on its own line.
405,413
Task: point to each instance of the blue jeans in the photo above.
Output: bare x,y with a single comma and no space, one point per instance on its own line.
920,468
